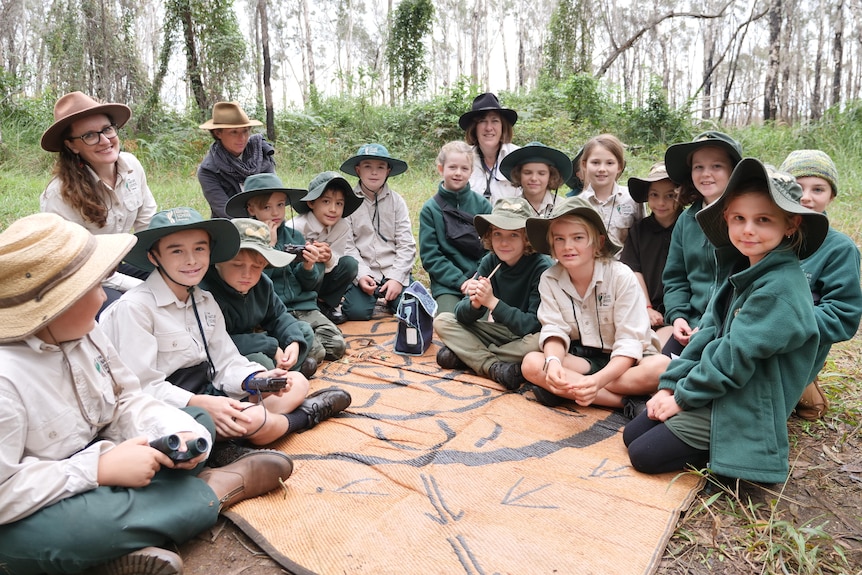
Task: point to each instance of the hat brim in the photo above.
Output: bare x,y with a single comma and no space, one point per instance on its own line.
484,221
351,200
23,320
677,155
210,125
537,229
537,154
398,166
639,187
814,226
275,258
236,205
223,235
466,120
52,139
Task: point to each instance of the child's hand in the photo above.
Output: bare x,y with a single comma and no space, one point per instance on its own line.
391,289
132,463
310,256
325,252
483,294
273,231
230,421
556,377
287,358
367,284
586,389
662,406
682,331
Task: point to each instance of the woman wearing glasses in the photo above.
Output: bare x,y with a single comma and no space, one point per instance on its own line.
94,184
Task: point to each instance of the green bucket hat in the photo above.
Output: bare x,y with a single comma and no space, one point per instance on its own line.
677,158
802,163
539,153
508,214
319,184
224,239
259,185
374,152
255,235
574,182
639,187
537,228
785,192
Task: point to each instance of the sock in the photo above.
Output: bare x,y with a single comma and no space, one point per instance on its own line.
297,420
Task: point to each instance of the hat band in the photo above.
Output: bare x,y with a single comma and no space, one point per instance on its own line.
70,268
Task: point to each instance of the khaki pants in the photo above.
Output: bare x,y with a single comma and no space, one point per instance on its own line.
483,343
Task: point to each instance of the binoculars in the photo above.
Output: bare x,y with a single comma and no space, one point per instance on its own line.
170,445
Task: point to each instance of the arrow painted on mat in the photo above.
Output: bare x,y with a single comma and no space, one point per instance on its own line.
513,501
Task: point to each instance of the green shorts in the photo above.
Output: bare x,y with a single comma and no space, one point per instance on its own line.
597,358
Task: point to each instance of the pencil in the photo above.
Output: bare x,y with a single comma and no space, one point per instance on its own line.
490,275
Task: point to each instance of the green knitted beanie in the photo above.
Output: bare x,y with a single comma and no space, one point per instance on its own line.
802,163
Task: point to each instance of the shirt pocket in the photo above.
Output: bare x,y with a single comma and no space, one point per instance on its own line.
177,349
58,435
132,197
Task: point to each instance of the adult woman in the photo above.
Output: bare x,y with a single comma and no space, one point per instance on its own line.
235,154
488,128
94,184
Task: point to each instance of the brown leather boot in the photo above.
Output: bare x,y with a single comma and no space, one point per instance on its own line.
251,475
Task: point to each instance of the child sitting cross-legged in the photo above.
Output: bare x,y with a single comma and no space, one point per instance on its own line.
256,319
506,287
172,334
81,489
320,218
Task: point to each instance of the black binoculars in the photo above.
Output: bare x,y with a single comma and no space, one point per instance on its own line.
170,446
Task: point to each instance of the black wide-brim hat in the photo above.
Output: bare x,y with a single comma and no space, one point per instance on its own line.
482,104
677,157
330,180
784,191
537,152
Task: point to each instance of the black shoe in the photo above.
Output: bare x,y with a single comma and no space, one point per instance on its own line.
547,398
447,359
323,404
226,452
308,367
334,314
634,405
507,374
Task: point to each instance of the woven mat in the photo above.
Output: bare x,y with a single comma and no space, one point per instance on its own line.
439,472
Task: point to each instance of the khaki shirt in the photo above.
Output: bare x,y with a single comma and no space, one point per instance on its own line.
313,231
619,212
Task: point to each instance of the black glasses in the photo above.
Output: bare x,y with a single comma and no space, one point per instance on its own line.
92,138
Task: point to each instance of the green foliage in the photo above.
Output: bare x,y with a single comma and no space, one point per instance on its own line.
586,101
405,50
567,48
656,122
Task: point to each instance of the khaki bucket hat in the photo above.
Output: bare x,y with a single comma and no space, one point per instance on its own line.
74,106
255,235
537,228
508,214
46,264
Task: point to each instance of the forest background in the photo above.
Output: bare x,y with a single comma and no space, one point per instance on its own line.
328,76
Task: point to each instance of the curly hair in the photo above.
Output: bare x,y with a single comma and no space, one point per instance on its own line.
555,180
78,188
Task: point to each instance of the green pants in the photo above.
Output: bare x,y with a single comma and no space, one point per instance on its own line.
97,526
328,339
307,334
483,343
334,284
446,302
359,306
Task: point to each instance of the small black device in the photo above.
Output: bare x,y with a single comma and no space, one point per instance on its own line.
294,249
378,292
265,384
170,446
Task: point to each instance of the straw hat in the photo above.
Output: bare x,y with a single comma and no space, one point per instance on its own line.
328,180
785,192
508,214
254,235
74,106
46,264
482,104
224,239
259,185
537,228
228,115
639,187
373,152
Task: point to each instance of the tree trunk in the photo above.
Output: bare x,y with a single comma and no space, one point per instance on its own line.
816,100
267,70
708,65
474,38
192,61
309,48
837,53
770,104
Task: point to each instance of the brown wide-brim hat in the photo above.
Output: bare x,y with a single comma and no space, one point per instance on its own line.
639,187
784,191
537,228
47,263
259,185
228,115
333,181
482,104
74,106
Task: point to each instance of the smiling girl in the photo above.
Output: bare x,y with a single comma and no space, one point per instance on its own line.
539,171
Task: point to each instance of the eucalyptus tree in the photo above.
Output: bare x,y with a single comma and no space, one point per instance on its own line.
405,50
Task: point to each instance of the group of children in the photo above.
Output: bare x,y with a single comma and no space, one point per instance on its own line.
697,322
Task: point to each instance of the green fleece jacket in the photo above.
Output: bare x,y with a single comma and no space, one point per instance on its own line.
750,360
295,285
690,274
517,288
833,276
258,321
447,267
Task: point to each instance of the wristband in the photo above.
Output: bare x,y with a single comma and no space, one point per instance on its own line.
549,359
245,382
648,306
